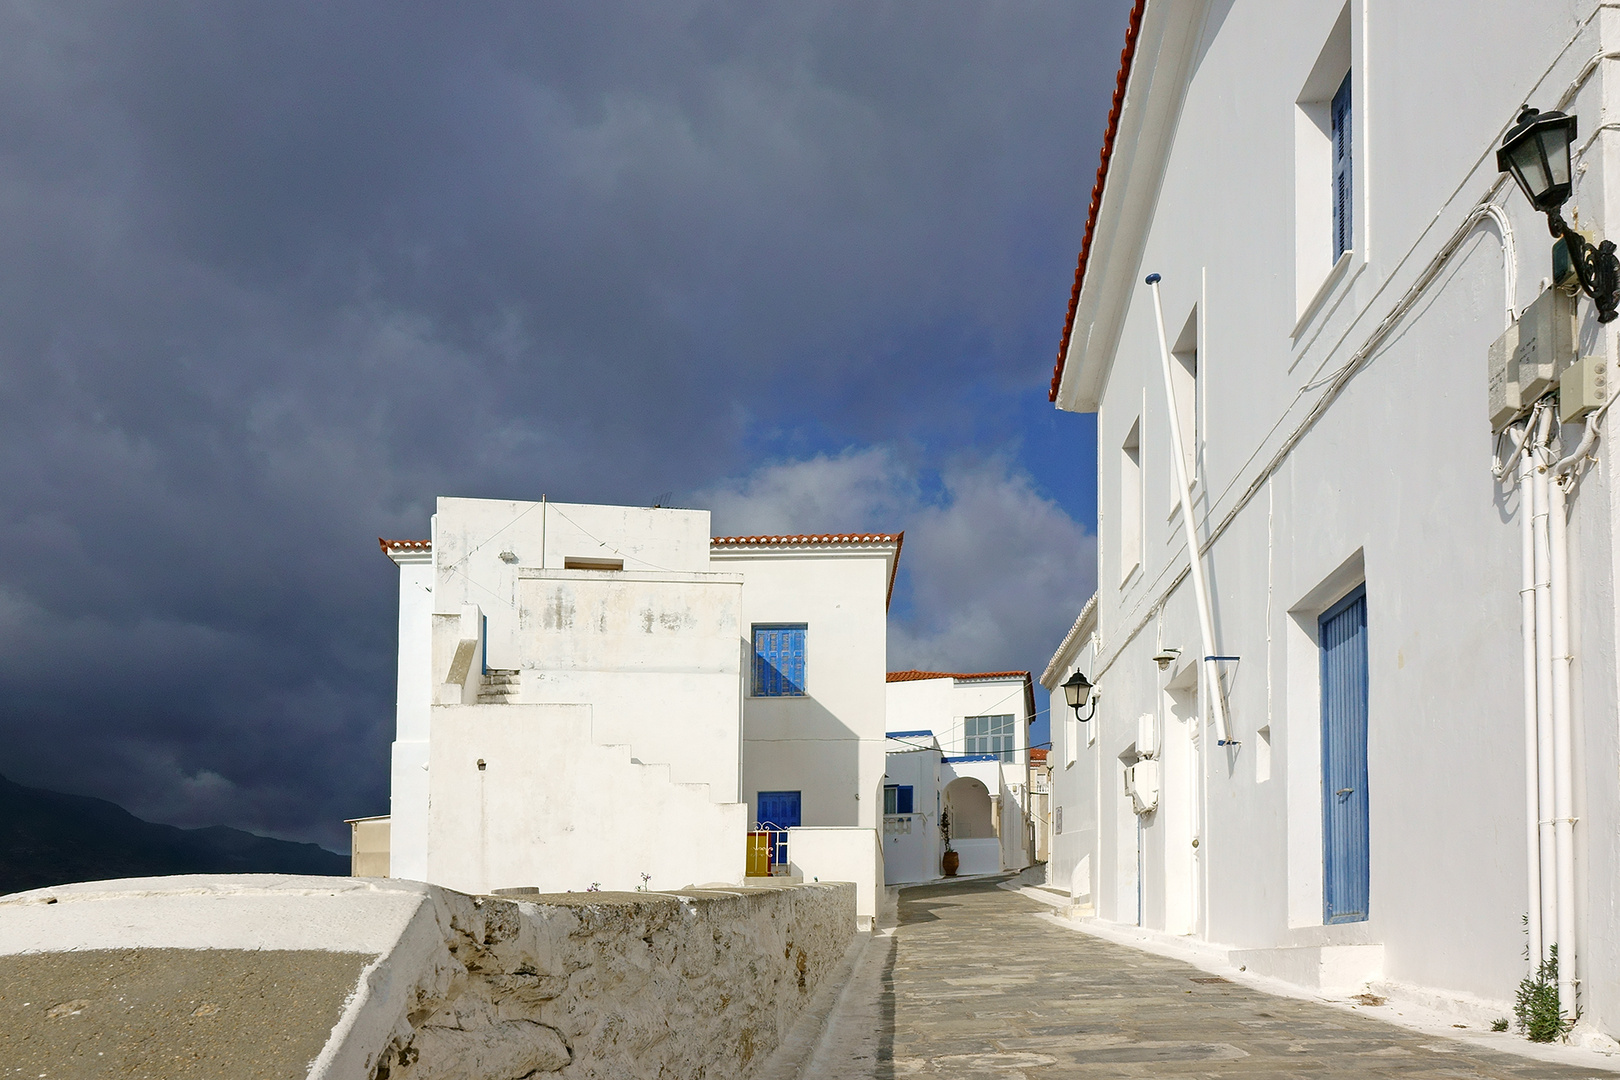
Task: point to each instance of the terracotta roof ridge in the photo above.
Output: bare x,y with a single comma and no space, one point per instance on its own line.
914,675
1126,56
808,538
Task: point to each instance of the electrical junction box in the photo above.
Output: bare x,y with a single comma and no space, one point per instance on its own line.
1546,345
1506,403
1582,387
1142,785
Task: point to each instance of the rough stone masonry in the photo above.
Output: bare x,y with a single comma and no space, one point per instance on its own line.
265,976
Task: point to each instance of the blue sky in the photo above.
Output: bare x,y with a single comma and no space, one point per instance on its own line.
275,276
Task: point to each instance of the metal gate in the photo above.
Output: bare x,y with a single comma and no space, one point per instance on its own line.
1345,873
778,812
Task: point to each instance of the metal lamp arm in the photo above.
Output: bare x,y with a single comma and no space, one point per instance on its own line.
1597,267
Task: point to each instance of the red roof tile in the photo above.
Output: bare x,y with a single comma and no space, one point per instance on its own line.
1038,754
807,538
913,676
402,547
1126,55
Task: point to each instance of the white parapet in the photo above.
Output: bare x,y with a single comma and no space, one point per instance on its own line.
841,854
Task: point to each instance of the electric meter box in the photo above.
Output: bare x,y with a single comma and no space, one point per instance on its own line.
1546,343
1524,364
1582,387
1506,403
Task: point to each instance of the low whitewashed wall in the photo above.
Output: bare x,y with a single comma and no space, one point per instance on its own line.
841,854
416,982
978,856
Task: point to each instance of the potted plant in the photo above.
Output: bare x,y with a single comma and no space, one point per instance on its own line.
952,860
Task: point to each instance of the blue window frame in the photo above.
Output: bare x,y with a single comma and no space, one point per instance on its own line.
1343,179
899,798
1346,873
779,660
989,735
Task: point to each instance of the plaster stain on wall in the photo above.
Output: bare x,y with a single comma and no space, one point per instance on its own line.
646,620
558,614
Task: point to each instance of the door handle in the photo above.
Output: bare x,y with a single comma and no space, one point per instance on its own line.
1346,791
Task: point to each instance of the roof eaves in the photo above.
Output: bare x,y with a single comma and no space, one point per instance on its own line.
1071,643
1127,56
826,539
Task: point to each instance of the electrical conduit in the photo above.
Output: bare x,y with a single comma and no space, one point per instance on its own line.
1206,622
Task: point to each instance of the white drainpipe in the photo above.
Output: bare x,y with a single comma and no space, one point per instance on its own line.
1563,750
1206,622
1527,624
1544,708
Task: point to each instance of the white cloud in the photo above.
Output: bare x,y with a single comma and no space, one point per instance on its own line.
993,572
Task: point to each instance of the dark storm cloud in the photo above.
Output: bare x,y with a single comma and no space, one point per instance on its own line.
272,276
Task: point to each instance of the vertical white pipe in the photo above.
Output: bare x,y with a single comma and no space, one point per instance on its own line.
1206,621
1563,751
1527,624
1544,720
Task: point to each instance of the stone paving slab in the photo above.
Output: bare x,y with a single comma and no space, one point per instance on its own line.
971,984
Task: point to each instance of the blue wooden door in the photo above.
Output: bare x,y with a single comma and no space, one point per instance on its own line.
778,811
1343,638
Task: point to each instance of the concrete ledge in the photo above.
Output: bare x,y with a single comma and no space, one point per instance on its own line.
260,975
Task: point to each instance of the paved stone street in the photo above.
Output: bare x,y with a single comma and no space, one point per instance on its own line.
972,984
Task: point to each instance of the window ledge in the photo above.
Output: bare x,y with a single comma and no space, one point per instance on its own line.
1329,283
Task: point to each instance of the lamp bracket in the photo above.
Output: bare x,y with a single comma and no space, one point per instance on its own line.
1596,267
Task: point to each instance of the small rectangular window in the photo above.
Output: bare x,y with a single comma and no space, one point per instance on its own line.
1130,502
1184,383
989,735
898,798
580,562
1343,180
779,660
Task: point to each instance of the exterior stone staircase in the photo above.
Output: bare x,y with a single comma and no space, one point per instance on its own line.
499,687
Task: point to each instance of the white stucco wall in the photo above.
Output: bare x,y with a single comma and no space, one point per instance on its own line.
828,745
1391,486
408,776
912,845
653,653
531,796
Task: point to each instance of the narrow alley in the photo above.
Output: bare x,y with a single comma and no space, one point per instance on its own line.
973,984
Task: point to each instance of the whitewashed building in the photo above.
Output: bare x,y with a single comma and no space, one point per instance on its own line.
958,758
606,696
1390,733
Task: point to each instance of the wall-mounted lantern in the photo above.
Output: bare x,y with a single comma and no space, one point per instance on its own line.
1536,152
1077,691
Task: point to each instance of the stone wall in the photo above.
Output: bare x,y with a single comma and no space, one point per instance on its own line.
448,986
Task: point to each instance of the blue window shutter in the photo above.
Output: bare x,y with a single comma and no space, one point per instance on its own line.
904,799
1343,178
1345,853
779,661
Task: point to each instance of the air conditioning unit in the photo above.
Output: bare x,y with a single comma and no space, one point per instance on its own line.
1142,785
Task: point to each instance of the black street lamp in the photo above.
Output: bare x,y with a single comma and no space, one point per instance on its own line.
1537,152
1076,691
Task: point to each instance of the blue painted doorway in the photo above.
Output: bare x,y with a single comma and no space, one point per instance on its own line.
778,811
1345,872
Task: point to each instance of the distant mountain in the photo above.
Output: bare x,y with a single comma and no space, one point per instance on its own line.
48,838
